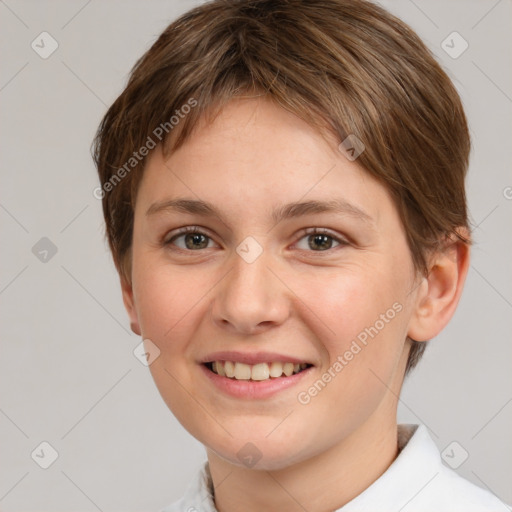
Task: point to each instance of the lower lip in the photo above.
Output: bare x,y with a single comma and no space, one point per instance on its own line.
251,389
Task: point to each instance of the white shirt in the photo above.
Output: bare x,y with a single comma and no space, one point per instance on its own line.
416,481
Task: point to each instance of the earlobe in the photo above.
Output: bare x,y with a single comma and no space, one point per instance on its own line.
134,326
440,291
129,304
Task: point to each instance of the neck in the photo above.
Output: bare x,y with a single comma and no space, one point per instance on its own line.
325,482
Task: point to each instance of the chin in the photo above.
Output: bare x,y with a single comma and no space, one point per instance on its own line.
259,452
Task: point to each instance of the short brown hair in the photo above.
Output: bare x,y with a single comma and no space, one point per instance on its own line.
347,65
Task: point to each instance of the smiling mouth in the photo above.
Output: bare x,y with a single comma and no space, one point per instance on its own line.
256,372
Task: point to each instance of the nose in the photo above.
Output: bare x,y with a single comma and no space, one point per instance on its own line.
250,298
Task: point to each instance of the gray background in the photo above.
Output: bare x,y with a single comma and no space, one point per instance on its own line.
67,371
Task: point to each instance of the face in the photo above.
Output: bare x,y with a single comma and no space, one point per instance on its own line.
231,275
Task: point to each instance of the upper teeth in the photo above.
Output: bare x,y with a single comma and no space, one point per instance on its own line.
260,371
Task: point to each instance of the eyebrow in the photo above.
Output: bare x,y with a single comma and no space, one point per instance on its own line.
287,211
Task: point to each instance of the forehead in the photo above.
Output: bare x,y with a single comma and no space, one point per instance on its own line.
255,153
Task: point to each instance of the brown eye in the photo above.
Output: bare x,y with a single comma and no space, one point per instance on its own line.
318,240
190,239
321,242
196,241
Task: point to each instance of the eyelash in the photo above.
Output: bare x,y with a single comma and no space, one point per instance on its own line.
307,232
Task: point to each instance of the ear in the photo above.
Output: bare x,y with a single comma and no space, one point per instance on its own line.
129,304
440,291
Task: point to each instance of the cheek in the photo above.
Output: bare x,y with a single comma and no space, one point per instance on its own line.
170,301
363,345
350,300
164,297
366,321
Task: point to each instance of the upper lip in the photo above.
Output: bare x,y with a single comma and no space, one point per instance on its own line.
251,357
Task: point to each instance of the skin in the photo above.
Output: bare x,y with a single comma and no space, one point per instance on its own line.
294,299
